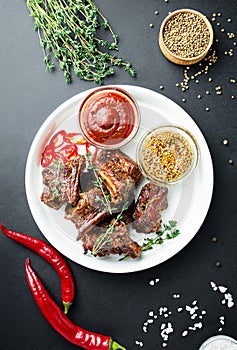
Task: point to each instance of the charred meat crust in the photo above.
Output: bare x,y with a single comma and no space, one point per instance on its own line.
89,211
119,242
62,182
151,201
119,173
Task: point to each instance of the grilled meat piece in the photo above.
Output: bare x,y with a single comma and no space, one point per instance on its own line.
117,242
119,173
121,164
89,211
62,182
151,201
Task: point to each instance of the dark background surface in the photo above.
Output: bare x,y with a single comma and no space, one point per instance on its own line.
118,305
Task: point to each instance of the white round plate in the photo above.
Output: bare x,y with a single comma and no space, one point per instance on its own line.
188,202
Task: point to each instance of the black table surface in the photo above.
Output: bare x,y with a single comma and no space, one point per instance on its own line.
129,307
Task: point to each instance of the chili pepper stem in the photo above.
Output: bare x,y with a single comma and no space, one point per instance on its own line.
66,306
113,345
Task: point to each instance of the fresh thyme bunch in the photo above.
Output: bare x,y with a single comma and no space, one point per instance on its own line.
68,30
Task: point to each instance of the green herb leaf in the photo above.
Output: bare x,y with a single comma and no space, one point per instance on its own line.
167,232
69,31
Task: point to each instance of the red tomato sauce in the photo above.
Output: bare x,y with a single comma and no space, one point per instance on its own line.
108,117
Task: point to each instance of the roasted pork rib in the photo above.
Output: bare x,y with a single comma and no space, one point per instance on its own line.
62,182
118,242
151,201
119,173
89,211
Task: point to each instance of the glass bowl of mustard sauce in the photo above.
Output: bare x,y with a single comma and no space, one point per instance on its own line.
109,117
167,155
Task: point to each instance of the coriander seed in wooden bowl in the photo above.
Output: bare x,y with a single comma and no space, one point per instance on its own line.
185,36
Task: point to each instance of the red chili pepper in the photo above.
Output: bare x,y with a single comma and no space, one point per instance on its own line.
59,321
74,138
58,139
52,257
87,147
68,151
47,156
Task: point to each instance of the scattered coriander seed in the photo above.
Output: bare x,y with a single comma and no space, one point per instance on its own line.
222,30
230,35
199,96
219,14
214,14
232,97
207,92
213,19
151,25
218,264
183,100
207,109
156,12
177,84
161,87
218,24
229,20
230,161
225,142
166,0
210,79
209,61
214,239
232,81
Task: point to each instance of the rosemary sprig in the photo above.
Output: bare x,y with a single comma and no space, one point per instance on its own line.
168,231
68,30
106,237
99,183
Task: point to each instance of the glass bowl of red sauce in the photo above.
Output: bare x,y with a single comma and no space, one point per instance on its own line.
109,117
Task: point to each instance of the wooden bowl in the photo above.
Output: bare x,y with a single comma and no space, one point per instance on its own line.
180,59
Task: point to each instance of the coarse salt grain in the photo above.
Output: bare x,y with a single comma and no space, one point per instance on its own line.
139,343
214,286
222,289
154,281
176,296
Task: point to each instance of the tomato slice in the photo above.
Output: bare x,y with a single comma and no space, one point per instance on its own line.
58,139
47,156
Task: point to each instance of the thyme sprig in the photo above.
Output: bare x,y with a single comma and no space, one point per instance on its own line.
167,232
68,30
106,236
99,183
